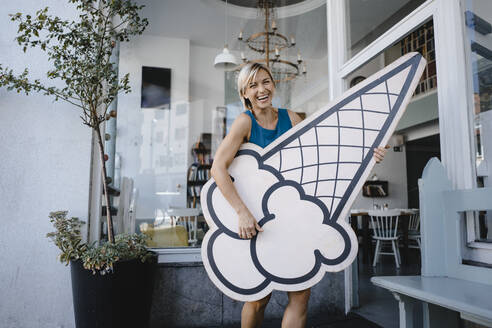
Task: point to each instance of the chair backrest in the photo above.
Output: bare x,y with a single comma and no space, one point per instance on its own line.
414,221
189,218
385,223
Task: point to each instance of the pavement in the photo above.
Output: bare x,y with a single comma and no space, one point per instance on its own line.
352,320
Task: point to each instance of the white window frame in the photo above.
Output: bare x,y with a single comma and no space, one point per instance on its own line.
178,255
454,85
95,192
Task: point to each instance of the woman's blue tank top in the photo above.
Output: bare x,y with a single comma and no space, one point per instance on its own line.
263,137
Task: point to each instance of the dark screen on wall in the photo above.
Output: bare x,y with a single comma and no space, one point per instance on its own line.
156,87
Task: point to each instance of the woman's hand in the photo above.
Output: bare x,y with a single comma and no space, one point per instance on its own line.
379,153
247,225
223,158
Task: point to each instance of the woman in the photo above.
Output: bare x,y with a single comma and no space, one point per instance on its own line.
261,124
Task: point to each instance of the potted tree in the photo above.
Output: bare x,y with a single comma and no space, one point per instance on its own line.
109,280
112,283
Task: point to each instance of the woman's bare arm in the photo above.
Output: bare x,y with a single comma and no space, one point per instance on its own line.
223,158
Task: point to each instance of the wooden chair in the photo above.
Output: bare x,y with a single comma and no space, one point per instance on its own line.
385,228
414,229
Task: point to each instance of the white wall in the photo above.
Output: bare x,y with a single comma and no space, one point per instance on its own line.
310,93
147,139
206,90
421,110
421,131
394,170
45,166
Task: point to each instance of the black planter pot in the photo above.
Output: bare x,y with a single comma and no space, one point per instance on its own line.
119,299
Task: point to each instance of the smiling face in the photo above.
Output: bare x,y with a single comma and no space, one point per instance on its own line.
260,90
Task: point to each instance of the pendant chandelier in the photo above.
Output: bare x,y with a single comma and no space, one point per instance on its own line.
270,43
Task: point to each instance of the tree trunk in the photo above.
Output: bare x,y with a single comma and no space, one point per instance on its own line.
109,219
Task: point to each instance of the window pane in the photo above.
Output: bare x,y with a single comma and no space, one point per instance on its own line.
369,19
478,19
181,106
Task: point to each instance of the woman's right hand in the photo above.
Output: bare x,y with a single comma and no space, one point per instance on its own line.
248,226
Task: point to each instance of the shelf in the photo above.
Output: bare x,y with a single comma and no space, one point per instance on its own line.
375,189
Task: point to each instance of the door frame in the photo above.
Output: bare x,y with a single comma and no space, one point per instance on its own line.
454,95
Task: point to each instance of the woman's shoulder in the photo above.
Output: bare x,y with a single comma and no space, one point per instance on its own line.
294,117
242,124
244,117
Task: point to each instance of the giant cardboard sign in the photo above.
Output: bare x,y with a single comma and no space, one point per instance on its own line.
300,189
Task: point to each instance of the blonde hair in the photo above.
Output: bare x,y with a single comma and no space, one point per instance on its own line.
246,75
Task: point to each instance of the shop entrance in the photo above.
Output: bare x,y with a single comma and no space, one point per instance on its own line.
414,142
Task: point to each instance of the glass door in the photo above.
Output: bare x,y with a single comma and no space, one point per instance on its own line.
364,37
153,152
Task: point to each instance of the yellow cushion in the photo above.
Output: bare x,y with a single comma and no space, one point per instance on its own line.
165,235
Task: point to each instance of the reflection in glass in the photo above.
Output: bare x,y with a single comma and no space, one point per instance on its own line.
183,227
478,20
369,19
422,41
154,144
165,154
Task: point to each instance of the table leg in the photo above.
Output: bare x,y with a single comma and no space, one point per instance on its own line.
405,238
406,307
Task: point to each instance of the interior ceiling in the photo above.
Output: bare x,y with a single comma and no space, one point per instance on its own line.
203,23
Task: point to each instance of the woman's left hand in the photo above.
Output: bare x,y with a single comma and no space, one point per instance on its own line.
379,153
